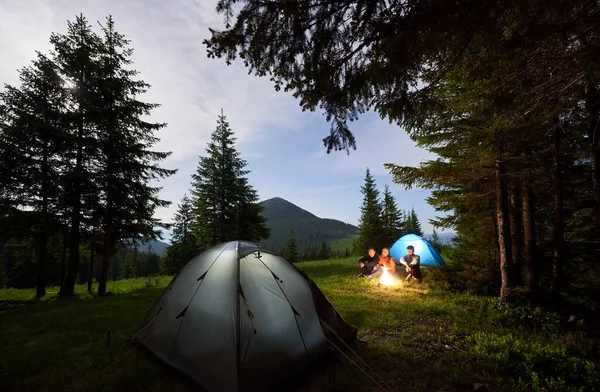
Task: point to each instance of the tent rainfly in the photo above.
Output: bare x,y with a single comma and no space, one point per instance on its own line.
239,317
429,256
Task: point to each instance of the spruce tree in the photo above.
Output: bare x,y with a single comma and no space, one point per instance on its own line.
371,227
225,205
413,226
76,55
36,140
183,242
324,252
126,159
391,218
291,249
435,241
128,268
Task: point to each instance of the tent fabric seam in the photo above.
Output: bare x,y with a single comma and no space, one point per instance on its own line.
289,303
191,299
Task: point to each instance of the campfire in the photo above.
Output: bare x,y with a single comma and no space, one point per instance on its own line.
386,278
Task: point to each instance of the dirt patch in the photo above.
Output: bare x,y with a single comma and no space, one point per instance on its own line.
7,305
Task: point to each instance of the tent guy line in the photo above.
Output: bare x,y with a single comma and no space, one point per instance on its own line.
267,282
278,280
146,324
347,346
87,380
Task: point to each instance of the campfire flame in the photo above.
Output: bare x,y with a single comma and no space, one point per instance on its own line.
386,278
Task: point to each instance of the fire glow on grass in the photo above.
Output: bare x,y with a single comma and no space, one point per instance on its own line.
386,278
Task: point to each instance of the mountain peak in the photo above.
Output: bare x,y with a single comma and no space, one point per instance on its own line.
309,229
277,208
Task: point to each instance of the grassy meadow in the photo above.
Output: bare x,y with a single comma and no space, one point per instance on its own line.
414,337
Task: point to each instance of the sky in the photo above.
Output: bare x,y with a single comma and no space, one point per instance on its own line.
282,145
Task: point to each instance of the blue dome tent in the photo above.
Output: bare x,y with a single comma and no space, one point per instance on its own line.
429,256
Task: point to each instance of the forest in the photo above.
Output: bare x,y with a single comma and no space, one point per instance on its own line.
515,136
79,173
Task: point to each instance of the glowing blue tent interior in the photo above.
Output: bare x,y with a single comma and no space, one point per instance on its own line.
429,256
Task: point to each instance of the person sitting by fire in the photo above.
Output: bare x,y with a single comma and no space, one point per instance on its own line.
412,263
368,264
387,262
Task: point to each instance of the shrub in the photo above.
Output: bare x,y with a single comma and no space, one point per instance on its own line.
508,315
527,365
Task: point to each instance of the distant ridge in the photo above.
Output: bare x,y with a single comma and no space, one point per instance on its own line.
309,229
158,247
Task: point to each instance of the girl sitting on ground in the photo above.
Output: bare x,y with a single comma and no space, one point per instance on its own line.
387,262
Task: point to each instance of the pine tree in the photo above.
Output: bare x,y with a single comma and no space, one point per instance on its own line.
128,268
324,252
75,54
225,205
127,161
412,224
34,115
402,223
291,249
183,242
390,217
371,228
435,241
416,223
311,254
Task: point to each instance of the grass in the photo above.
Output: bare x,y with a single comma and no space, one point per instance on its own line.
415,337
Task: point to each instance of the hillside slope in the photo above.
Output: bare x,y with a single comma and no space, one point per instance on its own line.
309,229
156,246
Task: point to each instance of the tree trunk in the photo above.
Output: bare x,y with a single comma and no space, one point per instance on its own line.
502,219
42,254
68,287
42,251
495,235
106,251
559,226
91,276
63,258
516,235
593,107
529,235
110,189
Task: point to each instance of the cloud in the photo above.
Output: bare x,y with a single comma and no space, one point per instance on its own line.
167,40
281,143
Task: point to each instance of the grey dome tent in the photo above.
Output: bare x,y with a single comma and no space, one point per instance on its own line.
238,317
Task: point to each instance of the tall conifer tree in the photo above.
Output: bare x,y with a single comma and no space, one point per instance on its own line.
34,114
291,248
412,224
126,159
76,55
225,204
183,243
391,218
372,232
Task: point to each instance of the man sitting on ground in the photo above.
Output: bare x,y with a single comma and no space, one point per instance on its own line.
368,263
412,263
